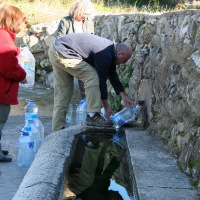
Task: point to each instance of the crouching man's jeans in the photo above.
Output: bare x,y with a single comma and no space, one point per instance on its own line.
64,71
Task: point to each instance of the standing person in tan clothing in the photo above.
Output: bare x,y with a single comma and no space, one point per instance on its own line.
79,20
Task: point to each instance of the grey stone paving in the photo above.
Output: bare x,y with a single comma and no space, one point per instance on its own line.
10,174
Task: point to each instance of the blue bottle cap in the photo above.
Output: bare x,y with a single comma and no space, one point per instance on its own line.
27,128
25,133
30,101
82,101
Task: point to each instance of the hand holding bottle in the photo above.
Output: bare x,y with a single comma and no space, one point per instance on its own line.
108,113
126,100
107,109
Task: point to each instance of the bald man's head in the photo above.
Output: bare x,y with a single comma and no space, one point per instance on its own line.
123,52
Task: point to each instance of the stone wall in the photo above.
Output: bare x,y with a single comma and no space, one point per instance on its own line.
164,70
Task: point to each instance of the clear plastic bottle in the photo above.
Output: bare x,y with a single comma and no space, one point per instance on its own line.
26,152
35,134
126,115
69,115
27,61
39,125
30,109
81,111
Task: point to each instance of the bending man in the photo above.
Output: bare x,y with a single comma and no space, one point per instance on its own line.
91,59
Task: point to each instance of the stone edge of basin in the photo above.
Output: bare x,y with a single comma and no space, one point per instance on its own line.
44,177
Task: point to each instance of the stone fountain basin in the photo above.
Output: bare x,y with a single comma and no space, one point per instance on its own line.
45,177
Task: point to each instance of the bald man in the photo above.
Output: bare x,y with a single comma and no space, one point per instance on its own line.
91,59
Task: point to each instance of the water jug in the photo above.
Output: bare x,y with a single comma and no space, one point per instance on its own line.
27,62
126,115
81,112
26,152
30,109
35,134
39,125
69,115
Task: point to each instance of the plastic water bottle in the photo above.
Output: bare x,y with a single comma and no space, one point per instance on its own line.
39,125
35,134
26,152
27,62
81,111
126,115
69,114
30,109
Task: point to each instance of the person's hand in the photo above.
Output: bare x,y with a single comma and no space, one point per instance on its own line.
24,81
108,111
126,100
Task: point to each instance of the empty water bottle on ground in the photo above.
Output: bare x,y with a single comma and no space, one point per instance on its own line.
26,152
81,111
39,125
127,114
30,109
27,62
35,134
69,115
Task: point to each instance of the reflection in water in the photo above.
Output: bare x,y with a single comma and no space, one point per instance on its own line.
100,160
116,187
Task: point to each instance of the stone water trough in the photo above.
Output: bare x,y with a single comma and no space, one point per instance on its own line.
46,177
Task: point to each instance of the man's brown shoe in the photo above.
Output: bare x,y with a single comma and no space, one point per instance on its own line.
98,120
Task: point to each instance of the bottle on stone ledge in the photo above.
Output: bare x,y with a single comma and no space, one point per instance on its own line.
127,114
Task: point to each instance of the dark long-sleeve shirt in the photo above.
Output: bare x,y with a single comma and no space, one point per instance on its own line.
97,51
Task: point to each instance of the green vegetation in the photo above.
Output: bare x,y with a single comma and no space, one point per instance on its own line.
192,163
116,103
140,24
41,11
181,133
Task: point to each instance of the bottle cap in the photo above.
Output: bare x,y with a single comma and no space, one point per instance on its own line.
25,133
27,128
23,45
30,101
82,101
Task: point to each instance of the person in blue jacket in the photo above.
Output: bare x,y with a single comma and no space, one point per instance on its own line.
92,59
